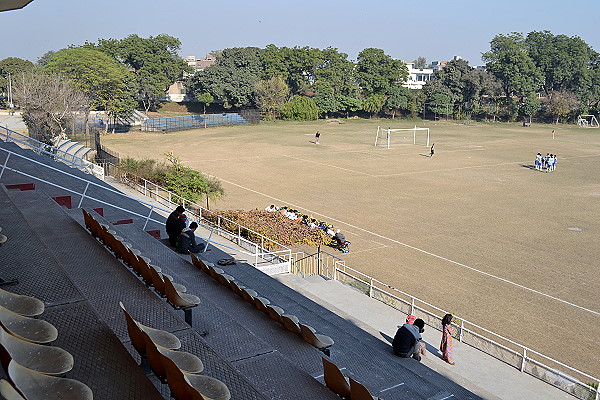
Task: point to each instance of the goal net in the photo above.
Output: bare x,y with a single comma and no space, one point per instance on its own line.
393,137
587,121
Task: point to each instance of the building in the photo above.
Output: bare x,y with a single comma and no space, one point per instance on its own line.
417,77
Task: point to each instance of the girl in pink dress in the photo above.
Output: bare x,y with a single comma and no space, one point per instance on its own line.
446,345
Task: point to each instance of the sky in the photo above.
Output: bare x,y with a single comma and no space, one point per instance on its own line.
405,30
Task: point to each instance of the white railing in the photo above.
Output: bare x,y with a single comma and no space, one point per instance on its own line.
252,250
42,148
526,360
270,249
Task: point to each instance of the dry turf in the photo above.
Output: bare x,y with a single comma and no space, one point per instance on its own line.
474,230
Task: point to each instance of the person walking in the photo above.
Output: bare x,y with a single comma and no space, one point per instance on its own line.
318,137
446,344
432,150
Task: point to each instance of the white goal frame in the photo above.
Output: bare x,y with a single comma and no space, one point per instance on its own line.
387,133
587,121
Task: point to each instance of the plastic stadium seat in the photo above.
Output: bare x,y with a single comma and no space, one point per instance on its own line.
321,342
9,392
275,313
193,387
24,305
291,324
359,392
181,301
160,337
36,386
49,360
335,380
26,328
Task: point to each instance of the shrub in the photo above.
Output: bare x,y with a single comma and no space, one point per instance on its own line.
272,225
301,108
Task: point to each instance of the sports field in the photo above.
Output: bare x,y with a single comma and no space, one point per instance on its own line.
474,230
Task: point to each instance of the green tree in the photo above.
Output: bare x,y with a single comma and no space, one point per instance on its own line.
300,108
213,190
420,63
271,95
376,71
373,104
325,98
45,58
510,62
440,102
106,82
154,62
399,98
530,106
295,65
232,79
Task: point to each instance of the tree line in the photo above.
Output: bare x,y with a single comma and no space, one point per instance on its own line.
542,75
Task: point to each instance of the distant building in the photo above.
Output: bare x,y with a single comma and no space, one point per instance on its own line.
200,64
417,77
177,91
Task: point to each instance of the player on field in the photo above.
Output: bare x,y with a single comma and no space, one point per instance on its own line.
538,161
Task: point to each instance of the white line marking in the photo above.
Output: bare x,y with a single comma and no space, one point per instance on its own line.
392,387
330,166
420,250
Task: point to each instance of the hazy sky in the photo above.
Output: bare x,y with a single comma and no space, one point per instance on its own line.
435,29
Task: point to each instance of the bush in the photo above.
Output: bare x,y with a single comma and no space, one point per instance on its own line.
301,108
272,225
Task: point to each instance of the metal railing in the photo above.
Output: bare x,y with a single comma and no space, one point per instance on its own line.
575,382
250,249
170,124
24,141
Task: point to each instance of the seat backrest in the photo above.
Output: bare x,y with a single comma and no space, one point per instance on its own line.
9,392
135,332
155,358
199,263
291,325
158,281
180,388
27,328
173,296
359,392
335,380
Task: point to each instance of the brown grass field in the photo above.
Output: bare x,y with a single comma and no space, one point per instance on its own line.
474,230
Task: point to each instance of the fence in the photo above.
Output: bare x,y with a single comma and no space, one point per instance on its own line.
575,382
269,255
42,148
172,124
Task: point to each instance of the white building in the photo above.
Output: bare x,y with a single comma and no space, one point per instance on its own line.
417,78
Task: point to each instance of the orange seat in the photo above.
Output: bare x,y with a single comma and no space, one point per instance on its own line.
335,380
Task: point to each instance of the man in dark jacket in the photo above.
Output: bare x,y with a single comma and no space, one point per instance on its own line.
187,240
407,342
171,224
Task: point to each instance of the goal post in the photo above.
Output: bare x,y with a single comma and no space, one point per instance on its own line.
587,121
391,137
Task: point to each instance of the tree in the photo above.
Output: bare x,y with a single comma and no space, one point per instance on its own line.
325,98
232,79
271,95
420,63
300,108
106,82
154,61
213,190
205,98
373,104
510,62
399,98
14,67
295,65
561,104
530,105
376,71
440,101
49,103
45,58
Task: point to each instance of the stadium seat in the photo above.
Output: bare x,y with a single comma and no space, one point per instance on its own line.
186,362
26,328
359,391
3,239
321,342
36,386
161,338
20,304
261,303
335,380
49,360
9,392
291,324
193,387
181,301
159,283
275,313
249,295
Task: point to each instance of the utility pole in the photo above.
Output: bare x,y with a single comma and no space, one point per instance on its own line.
10,97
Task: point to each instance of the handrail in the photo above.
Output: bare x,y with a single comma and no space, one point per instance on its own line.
43,148
523,354
147,218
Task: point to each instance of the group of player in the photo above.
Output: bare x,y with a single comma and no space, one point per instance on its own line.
547,163
304,219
